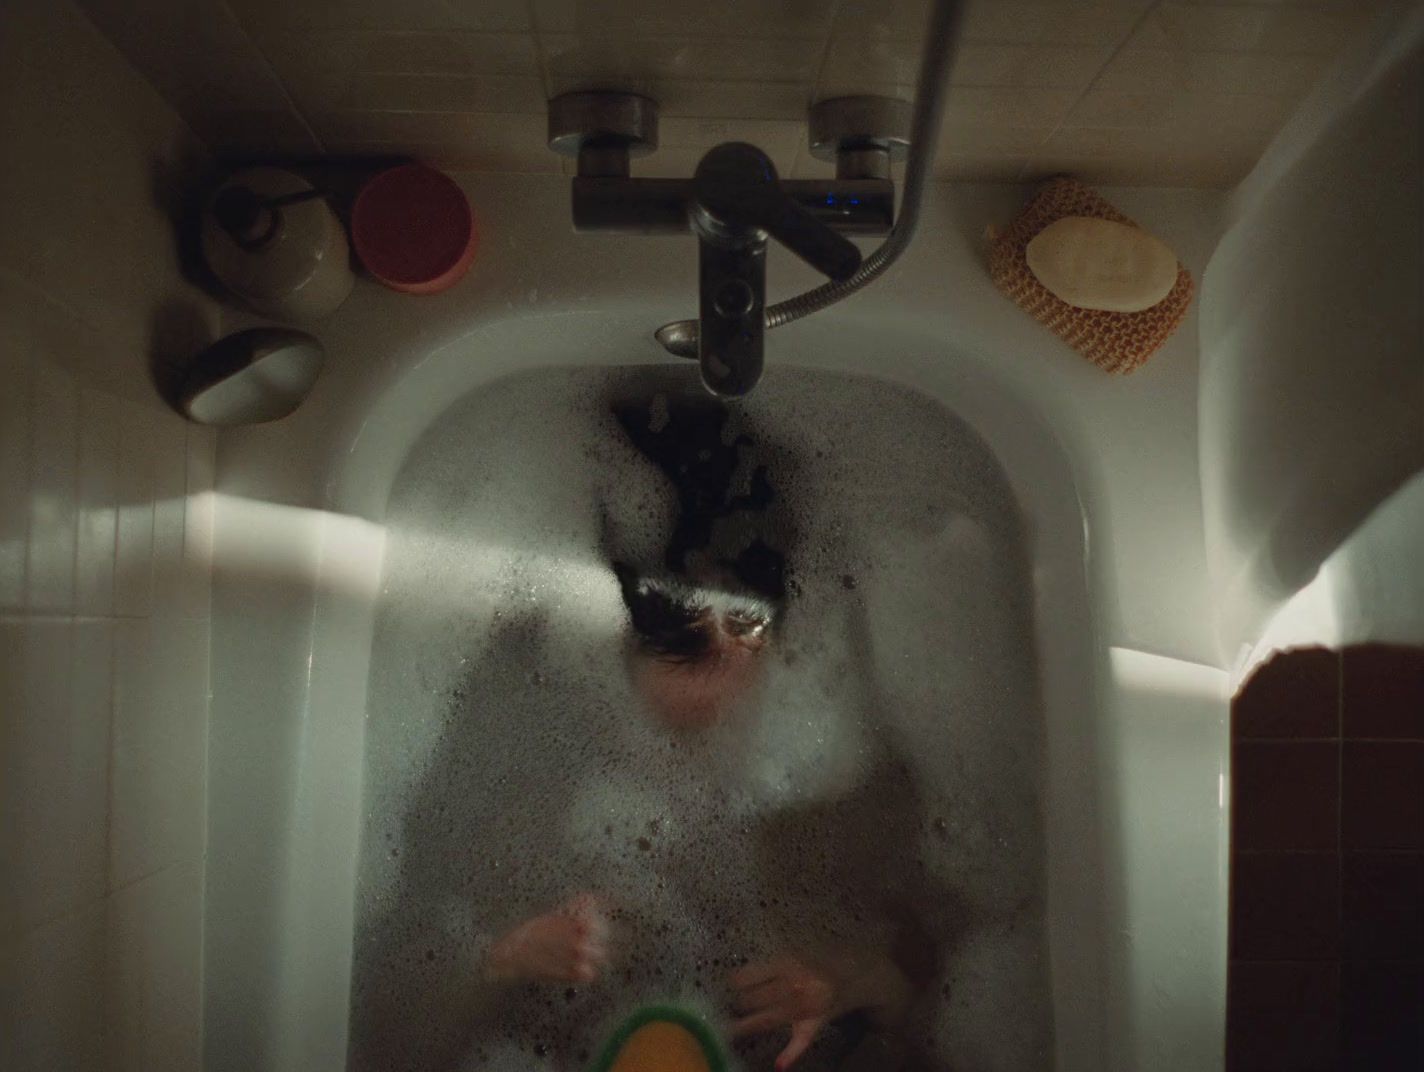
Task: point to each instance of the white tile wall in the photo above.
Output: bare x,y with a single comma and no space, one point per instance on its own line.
54,451
14,464
56,770
105,550
53,1003
98,503
466,83
155,956
157,771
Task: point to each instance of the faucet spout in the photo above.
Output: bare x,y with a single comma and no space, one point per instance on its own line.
731,316
737,204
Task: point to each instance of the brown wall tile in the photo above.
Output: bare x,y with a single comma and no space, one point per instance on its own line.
1382,1017
1295,694
1285,795
1282,1042
1327,967
1383,795
1285,906
1383,692
1283,1017
1285,986
1383,906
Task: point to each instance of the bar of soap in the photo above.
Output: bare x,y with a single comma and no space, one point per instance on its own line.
1101,264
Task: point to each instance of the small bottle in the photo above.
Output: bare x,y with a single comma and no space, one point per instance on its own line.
271,239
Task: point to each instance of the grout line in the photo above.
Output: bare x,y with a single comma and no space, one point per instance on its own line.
1332,853
113,600
1329,852
200,859
818,79
1147,12
59,305
54,618
77,388
541,55
110,765
297,112
1340,850
25,393
64,915
1329,740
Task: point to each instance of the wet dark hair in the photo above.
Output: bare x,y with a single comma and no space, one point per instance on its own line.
675,621
689,447
674,614
666,624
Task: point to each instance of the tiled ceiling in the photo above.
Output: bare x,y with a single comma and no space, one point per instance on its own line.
1145,91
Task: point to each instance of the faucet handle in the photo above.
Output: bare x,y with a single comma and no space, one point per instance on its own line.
736,189
826,250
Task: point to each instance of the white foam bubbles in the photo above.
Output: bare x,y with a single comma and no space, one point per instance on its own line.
880,789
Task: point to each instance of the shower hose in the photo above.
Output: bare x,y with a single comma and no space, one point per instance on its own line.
680,337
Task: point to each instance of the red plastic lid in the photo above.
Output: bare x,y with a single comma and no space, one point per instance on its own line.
413,230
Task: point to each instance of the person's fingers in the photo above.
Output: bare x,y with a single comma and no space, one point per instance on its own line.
756,974
589,952
590,915
564,973
773,992
554,962
589,906
597,923
590,939
550,948
590,956
803,1033
568,967
761,1022
544,971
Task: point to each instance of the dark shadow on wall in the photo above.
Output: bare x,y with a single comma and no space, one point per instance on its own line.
179,331
180,187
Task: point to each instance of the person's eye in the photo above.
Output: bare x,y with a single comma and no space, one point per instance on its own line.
745,627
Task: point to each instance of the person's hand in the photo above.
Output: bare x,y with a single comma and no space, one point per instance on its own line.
784,992
567,945
790,991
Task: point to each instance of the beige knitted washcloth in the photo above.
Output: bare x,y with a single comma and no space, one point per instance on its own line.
1115,342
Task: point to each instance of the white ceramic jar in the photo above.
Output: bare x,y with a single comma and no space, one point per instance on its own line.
271,238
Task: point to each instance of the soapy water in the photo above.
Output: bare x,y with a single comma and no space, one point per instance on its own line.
878,793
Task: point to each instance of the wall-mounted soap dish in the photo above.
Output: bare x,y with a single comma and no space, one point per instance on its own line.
261,374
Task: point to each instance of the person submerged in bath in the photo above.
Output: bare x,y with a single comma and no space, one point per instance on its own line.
700,625
701,617
696,656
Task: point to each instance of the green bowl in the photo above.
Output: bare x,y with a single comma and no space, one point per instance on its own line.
666,1014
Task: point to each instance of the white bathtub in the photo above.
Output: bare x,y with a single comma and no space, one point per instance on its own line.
1105,480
